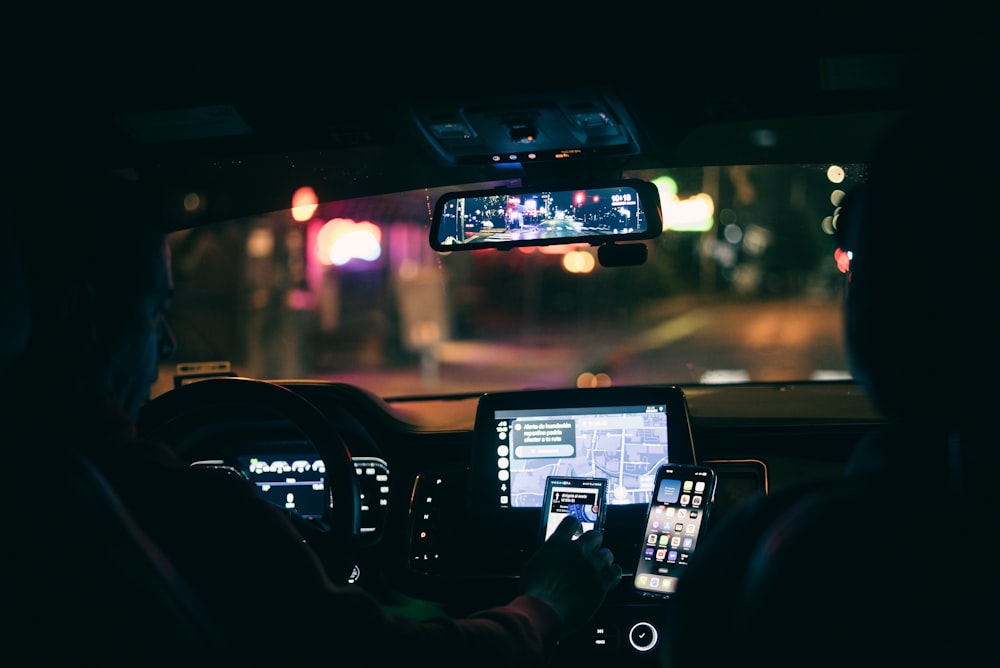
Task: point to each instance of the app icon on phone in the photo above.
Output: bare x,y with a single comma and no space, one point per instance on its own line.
668,491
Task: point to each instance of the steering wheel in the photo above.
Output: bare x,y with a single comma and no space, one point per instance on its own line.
336,536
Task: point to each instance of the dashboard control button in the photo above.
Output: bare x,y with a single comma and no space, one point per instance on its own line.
643,636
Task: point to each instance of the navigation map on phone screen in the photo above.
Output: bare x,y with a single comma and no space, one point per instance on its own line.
583,498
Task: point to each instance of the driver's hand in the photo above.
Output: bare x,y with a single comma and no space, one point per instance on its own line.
572,576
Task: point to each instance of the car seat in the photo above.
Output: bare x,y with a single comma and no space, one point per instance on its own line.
880,569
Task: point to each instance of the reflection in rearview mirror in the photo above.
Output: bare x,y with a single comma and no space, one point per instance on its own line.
624,211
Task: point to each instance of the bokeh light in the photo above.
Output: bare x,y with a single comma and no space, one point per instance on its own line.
341,240
304,204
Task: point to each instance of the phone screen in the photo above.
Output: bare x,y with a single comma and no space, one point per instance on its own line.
682,498
583,498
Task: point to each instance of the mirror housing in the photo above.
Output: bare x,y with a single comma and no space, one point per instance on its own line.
622,255
598,214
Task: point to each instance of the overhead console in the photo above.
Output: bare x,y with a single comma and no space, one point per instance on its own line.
514,129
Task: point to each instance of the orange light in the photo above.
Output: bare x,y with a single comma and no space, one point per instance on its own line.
554,249
588,379
578,262
304,204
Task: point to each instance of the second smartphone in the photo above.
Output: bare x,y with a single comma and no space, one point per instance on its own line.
583,498
678,511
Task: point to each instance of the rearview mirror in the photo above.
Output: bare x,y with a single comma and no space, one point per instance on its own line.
605,213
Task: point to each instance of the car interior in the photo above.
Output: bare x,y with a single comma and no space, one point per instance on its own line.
392,414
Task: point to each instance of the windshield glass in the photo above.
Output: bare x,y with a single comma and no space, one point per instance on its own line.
743,285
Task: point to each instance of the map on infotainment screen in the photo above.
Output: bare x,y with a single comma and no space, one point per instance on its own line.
625,444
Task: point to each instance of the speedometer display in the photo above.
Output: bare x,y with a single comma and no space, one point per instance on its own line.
296,483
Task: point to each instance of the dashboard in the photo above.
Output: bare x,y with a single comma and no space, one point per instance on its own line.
622,435
451,487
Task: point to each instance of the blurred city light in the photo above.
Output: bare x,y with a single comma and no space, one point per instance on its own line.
341,240
695,214
304,204
260,243
588,379
578,262
192,202
724,376
843,259
554,249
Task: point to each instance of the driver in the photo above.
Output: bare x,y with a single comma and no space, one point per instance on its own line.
98,332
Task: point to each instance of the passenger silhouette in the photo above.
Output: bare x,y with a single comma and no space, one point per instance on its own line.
882,566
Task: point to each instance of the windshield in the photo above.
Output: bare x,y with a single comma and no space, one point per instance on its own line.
742,286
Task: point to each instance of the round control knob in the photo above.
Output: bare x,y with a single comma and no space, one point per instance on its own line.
642,636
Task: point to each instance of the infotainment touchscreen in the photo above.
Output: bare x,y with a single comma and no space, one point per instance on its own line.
621,434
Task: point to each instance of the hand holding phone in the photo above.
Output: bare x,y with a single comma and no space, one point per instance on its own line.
583,498
675,522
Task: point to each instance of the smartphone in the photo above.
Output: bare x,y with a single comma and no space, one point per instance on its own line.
583,498
683,495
